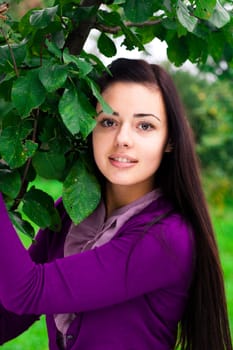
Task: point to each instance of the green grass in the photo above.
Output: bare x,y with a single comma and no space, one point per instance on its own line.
223,225
36,338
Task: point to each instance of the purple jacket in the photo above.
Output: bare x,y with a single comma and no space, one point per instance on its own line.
129,294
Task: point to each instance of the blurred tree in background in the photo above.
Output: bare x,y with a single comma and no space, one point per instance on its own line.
46,79
209,107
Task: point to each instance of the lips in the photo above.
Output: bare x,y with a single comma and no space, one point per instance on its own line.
122,160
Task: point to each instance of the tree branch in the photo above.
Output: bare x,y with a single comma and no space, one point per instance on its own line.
115,30
11,52
77,38
24,181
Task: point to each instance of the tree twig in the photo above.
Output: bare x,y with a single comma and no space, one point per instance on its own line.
116,29
24,181
3,9
77,38
11,52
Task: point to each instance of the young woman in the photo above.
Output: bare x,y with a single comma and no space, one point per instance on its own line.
142,272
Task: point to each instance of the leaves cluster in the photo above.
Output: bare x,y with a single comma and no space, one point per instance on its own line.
47,82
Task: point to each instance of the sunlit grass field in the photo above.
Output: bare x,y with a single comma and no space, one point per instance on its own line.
223,224
36,338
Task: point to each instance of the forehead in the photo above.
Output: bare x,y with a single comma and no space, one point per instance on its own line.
134,98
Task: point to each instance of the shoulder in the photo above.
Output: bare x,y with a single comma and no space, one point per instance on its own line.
169,226
159,214
163,232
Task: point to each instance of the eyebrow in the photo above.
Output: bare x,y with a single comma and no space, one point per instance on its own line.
136,115
141,115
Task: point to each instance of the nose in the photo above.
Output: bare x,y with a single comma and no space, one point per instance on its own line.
124,137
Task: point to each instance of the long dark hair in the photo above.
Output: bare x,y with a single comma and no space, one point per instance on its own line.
205,324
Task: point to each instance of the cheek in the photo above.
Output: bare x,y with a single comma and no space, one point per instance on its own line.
154,155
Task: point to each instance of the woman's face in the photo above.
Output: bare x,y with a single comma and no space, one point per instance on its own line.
129,144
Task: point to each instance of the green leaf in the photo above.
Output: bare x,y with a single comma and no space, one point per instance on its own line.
58,39
83,66
41,18
22,225
39,208
95,90
28,93
10,182
69,108
84,13
204,8
106,45
181,30
131,40
147,34
178,51
216,45
12,119
53,49
109,18
220,17
6,60
52,76
77,113
6,110
14,150
139,11
99,65
113,19
184,17
87,123
197,49
81,192
50,164
24,26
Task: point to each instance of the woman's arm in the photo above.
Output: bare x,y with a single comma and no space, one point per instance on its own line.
113,273
12,325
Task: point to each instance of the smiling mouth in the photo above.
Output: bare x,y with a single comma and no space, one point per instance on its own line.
122,160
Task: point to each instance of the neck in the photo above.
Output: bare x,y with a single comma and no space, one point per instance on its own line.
119,196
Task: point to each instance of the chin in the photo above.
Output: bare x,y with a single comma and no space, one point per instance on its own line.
123,182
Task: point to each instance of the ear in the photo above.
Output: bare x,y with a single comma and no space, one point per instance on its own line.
169,147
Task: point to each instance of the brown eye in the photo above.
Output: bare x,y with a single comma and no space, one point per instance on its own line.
107,123
145,126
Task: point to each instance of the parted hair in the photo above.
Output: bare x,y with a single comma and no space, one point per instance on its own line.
205,324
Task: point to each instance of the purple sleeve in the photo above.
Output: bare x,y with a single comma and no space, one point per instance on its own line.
123,268
11,325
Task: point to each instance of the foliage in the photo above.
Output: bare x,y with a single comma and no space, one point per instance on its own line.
221,63
47,80
209,107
